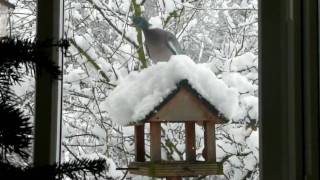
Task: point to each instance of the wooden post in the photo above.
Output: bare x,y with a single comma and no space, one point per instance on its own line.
139,143
210,141
190,141
155,145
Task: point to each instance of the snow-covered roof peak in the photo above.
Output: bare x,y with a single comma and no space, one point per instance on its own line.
140,92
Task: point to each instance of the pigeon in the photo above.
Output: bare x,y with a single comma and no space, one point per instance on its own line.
160,44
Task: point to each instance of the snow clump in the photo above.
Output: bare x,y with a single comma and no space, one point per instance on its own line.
140,92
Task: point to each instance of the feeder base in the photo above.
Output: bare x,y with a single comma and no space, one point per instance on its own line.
175,168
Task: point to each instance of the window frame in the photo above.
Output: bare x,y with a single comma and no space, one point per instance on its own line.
48,90
288,83
289,89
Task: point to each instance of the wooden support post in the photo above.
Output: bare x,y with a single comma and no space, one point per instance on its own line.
139,143
210,141
155,145
190,141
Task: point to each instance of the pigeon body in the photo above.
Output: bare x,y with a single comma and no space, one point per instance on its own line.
160,44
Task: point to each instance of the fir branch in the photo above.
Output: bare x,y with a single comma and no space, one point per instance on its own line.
55,172
15,131
16,54
71,169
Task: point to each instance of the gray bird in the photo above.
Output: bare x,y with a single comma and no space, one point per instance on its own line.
160,44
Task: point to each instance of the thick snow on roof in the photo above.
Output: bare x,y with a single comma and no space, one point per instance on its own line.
140,92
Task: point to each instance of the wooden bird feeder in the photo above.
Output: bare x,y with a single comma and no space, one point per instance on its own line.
184,105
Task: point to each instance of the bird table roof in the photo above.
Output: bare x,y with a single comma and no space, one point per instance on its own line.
184,104
139,96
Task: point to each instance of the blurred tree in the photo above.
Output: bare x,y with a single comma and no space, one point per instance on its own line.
16,130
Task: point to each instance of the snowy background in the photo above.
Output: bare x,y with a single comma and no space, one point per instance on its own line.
220,36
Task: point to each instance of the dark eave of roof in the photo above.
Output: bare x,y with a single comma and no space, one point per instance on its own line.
183,83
